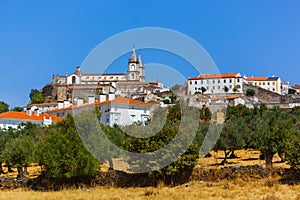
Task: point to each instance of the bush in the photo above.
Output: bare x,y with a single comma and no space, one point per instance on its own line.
250,92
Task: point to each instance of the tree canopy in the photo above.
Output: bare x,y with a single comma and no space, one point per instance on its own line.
36,96
3,107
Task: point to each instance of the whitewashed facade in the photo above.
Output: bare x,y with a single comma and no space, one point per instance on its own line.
216,84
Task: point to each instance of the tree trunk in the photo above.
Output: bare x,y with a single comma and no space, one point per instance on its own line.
269,158
20,173
232,155
111,164
9,169
25,171
225,158
1,169
281,155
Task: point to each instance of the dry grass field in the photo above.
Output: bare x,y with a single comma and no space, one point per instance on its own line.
246,191
264,189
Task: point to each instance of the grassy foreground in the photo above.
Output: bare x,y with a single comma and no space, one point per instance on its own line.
193,191
258,189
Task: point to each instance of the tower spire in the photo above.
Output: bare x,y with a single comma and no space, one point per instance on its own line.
133,55
140,59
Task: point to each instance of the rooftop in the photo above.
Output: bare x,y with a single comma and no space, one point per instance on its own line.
25,116
216,76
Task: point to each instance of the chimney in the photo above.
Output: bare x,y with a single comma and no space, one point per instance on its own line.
102,98
91,99
111,96
66,104
60,105
79,102
29,112
37,112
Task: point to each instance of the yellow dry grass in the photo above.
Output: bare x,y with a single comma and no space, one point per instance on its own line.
219,192
253,189
245,157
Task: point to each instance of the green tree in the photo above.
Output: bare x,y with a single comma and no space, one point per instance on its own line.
36,96
226,89
18,109
235,89
271,130
62,153
3,107
19,152
203,90
232,136
292,91
171,129
293,153
250,92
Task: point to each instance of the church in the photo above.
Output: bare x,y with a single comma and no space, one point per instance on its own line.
83,85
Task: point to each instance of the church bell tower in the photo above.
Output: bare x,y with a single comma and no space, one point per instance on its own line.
135,70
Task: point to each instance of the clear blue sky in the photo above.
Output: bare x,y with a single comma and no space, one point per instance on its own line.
41,38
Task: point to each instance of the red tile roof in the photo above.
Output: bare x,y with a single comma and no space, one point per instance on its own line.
117,100
257,79
128,101
23,115
296,87
216,76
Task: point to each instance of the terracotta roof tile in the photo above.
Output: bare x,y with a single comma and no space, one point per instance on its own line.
216,76
117,100
23,115
257,79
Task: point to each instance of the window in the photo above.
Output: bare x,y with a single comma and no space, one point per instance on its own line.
224,80
213,87
195,88
195,82
230,86
273,83
213,81
201,82
238,80
219,81
73,79
219,87
230,80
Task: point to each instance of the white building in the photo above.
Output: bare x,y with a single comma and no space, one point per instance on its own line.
43,107
123,111
216,84
13,119
268,83
120,111
285,87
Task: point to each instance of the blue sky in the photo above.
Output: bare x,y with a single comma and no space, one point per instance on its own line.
41,38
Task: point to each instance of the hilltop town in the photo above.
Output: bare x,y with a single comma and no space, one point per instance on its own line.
126,98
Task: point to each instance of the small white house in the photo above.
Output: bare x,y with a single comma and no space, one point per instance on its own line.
123,111
13,119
